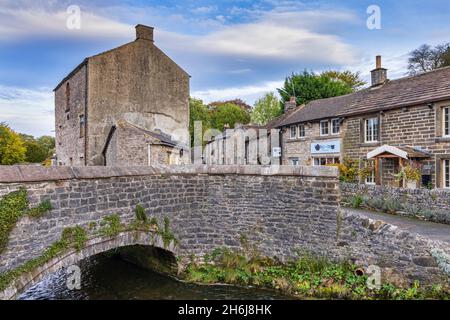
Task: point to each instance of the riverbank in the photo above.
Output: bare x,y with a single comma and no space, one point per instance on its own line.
305,278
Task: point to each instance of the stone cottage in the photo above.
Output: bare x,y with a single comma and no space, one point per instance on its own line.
125,106
388,126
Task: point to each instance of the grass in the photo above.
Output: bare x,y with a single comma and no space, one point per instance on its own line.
307,277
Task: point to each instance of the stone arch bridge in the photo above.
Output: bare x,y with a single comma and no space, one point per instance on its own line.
282,210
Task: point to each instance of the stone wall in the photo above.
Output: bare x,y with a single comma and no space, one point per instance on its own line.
300,147
417,126
70,145
283,210
433,205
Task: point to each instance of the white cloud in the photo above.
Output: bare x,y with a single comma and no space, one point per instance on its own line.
247,93
28,111
204,10
25,22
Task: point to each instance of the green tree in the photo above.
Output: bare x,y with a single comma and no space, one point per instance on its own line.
352,79
427,58
38,150
266,109
309,86
198,112
12,148
48,143
228,114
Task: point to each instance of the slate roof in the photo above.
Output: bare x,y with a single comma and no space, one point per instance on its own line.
421,89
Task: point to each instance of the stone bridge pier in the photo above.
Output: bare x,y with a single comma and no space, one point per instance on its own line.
283,211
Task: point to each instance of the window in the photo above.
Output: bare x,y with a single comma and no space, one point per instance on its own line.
294,161
371,178
82,123
326,161
293,132
67,97
335,126
446,122
447,174
371,130
324,128
301,130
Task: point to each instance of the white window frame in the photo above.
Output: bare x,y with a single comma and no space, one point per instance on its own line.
372,132
295,161
338,126
290,132
300,131
319,159
446,122
446,173
321,128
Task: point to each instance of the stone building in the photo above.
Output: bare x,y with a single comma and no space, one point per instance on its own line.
117,105
388,126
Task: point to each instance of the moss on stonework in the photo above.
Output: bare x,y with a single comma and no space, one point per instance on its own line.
12,207
73,237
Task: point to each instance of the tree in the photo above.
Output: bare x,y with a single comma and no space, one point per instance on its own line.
308,86
266,109
198,112
48,143
352,79
38,150
228,114
426,58
237,102
12,148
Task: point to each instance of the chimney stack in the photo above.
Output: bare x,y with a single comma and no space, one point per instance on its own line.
379,74
291,104
144,32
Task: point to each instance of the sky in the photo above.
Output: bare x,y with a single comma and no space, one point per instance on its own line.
232,49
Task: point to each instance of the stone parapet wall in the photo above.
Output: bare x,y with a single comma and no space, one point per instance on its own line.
283,211
432,205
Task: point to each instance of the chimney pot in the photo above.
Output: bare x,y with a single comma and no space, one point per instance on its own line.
378,58
144,32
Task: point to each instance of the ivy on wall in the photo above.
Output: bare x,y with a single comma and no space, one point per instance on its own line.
12,207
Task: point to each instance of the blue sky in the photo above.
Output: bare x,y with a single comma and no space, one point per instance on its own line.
232,49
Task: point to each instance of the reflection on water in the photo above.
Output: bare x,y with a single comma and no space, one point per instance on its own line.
112,278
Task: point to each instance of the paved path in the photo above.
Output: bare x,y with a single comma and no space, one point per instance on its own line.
431,230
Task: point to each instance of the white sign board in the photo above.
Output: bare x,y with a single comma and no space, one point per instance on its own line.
276,152
326,146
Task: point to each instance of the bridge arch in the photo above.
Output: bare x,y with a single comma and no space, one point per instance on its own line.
92,247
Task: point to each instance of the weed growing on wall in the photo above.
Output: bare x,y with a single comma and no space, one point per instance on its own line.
111,226
74,237
12,207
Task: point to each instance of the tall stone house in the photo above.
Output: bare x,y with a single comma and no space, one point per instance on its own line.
387,126
126,106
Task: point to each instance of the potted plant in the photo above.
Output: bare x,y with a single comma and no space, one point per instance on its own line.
410,175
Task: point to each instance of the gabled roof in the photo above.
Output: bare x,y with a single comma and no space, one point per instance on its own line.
404,152
425,88
162,138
